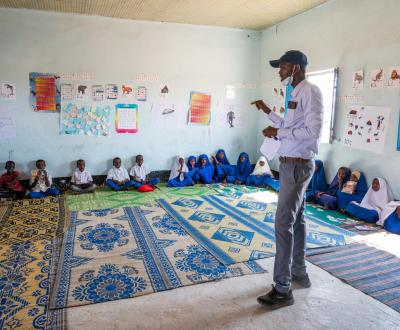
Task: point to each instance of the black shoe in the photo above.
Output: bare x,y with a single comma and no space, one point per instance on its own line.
304,281
274,299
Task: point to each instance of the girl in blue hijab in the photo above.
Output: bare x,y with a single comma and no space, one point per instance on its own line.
354,190
222,167
193,172
220,156
243,168
205,169
328,198
318,181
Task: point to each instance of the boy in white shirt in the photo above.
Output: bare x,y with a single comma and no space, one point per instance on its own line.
118,178
139,172
81,179
41,181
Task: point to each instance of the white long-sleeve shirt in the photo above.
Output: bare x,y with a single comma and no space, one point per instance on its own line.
300,130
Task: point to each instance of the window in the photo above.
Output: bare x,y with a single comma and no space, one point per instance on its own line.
326,80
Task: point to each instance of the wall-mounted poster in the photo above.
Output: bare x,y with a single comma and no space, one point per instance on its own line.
8,91
200,109
366,127
91,120
358,79
45,91
98,93
126,118
394,77
111,92
377,77
141,94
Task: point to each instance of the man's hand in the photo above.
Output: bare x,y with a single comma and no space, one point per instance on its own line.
261,106
270,131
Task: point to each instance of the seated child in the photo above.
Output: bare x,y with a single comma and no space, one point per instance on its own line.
205,169
353,190
243,169
9,184
374,202
41,182
193,172
179,174
318,180
222,166
221,158
328,198
139,172
118,177
81,179
260,173
391,218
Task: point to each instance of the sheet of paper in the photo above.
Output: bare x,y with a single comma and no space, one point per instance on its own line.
126,118
67,92
8,128
168,115
270,147
9,91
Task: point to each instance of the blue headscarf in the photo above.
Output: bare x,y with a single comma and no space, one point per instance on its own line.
190,167
205,173
318,181
224,160
202,156
243,169
334,186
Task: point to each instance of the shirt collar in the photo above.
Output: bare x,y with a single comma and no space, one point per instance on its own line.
298,88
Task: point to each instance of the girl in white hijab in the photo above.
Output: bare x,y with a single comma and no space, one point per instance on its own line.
371,207
260,173
178,176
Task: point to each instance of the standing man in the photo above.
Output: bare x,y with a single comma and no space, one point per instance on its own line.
299,133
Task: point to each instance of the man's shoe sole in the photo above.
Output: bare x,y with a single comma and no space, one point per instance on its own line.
277,305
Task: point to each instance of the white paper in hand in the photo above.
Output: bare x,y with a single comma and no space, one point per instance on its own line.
270,147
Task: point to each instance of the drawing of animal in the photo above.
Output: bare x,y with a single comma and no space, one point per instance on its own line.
393,77
378,77
82,89
126,89
358,78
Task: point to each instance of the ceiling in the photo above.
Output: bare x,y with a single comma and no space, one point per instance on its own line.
245,14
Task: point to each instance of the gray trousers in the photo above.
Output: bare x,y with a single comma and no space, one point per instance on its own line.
290,227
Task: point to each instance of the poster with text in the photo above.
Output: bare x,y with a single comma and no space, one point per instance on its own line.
8,128
366,127
126,118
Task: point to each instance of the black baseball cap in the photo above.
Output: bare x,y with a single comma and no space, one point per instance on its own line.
291,56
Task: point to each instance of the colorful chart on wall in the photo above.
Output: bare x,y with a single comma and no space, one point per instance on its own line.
200,109
366,127
126,118
91,120
45,91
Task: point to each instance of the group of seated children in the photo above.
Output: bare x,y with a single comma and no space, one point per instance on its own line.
119,179
221,171
349,193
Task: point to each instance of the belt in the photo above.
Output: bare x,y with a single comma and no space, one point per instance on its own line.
293,160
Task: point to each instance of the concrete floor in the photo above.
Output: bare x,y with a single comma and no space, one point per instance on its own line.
231,304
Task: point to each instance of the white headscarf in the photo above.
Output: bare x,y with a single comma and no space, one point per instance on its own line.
262,170
387,211
377,200
176,166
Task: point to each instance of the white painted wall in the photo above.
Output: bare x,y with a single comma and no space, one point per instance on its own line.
348,34
186,57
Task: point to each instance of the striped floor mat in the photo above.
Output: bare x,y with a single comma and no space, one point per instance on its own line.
372,271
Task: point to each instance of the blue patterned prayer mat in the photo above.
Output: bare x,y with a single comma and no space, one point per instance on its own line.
240,227
372,271
128,252
25,278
